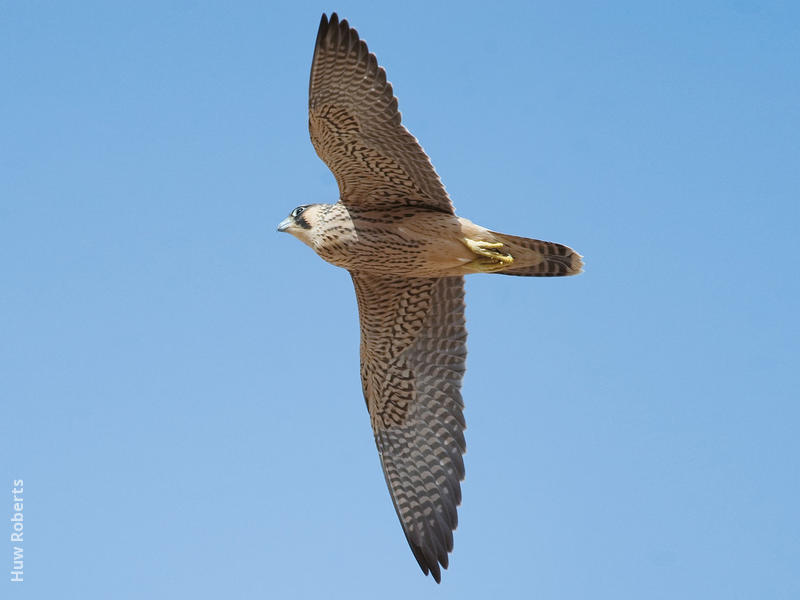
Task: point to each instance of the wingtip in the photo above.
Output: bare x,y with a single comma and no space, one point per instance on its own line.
436,573
428,564
323,27
327,24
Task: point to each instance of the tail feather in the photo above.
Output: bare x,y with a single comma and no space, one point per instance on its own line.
537,258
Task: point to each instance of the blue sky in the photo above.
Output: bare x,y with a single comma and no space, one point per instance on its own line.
180,383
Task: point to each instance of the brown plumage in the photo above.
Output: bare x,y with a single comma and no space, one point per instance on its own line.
395,230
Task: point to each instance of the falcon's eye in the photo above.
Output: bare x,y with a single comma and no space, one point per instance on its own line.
298,211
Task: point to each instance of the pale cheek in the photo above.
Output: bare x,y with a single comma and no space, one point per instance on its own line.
304,235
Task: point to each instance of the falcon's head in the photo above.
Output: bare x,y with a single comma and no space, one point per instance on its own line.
300,222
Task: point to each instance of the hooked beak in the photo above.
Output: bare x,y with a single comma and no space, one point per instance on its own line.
285,224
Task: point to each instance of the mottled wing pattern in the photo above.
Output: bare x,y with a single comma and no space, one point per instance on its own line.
413,353
355,127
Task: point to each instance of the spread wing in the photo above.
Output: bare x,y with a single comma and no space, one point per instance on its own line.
355,127
413,353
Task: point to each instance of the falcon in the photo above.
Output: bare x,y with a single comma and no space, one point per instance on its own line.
394,228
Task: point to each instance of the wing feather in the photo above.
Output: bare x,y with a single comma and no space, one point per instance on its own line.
356,128
413,354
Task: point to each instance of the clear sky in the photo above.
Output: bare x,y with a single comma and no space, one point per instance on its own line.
179,383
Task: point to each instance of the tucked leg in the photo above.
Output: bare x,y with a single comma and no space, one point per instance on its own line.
490,257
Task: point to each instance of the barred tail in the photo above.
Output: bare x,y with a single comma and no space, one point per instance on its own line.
536,258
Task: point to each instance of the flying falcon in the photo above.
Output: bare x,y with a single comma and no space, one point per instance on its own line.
395,230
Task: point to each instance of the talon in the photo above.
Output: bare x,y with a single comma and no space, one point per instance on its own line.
490,257
482,247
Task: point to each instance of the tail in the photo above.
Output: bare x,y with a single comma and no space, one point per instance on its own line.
535,258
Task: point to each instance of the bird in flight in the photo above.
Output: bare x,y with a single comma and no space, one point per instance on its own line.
394,228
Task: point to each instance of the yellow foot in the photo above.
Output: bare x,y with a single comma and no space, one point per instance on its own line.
490,257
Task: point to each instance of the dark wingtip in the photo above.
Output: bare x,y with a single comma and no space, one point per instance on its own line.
323,27
429,566
436,573
327,24
340,27
322,33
